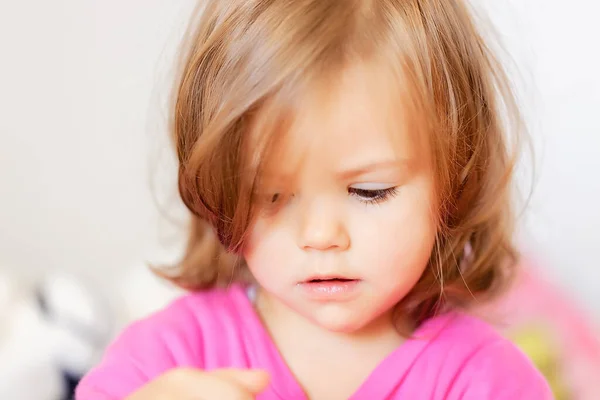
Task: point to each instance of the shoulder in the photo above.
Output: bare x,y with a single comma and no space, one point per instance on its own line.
486,365
183,326
176,336
191,314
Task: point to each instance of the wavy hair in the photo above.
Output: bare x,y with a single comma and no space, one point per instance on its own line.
247,58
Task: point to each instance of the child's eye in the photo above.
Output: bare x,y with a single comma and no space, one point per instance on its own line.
268,198
373,196
272,202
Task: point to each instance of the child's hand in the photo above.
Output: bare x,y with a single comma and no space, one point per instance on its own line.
193,384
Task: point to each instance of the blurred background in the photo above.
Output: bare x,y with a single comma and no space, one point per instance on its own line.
88,195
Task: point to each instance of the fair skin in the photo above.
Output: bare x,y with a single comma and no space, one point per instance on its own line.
359,206
346,231
193,384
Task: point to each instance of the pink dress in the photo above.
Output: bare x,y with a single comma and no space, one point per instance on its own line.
453,356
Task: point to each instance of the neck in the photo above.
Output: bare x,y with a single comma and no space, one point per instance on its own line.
311,352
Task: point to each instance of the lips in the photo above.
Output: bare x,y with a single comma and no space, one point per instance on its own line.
330,287
329,278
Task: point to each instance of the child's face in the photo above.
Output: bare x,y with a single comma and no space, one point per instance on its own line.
352,222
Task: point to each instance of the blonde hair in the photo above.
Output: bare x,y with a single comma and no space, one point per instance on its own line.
247,56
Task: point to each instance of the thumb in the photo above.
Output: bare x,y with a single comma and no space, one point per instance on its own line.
253,380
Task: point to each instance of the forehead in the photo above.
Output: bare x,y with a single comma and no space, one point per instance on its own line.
359,115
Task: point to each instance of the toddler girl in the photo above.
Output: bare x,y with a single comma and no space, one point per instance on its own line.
348,172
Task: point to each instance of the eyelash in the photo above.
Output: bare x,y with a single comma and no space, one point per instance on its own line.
373,196
367,196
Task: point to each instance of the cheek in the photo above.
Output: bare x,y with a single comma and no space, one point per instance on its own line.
404,249
266,247
401,237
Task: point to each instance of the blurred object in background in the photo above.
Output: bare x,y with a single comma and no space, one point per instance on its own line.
556,334
52,333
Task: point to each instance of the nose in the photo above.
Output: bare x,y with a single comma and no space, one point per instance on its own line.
322,228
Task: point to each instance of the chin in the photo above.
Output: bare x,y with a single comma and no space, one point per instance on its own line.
339,321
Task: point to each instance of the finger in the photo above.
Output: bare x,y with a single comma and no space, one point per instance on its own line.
254,380
191,383
218,386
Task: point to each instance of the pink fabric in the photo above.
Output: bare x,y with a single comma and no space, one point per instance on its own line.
453,356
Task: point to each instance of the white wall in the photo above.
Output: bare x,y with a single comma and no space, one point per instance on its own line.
81,89
556,46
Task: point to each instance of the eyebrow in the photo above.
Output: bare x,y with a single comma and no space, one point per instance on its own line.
375,166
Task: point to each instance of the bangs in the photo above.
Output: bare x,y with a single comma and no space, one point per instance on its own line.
250,68
240,100
277,136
